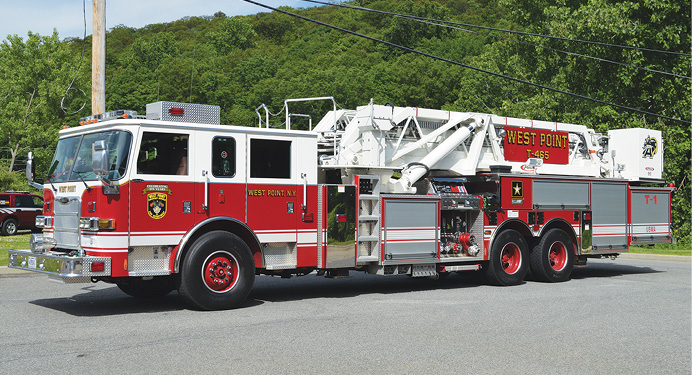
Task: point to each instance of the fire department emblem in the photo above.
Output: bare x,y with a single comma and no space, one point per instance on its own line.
156,205
650,147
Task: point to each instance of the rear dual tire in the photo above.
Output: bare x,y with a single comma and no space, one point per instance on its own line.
508,261
552,259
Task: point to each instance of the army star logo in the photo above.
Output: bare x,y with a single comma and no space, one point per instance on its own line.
517,189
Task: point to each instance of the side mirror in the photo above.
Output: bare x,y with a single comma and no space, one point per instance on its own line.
99,163
99,158
31,171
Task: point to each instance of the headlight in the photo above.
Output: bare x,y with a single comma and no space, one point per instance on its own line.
43,221
95,223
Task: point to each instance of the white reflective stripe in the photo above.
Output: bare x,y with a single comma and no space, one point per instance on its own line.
95,250
307,237
155,233
654,228
155,240
609,230
276,231
111,241
426,234
277,237
411,241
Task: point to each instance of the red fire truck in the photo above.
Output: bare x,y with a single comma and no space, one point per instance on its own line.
173,200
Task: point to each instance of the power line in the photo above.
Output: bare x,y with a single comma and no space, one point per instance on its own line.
466,65
548,36
435,22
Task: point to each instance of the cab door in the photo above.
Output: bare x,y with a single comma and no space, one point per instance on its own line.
220,190
162,194
272,207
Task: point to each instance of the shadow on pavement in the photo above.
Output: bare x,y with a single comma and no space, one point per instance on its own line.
609,269
307,287
111,301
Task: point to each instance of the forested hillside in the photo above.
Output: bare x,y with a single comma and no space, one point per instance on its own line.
242,62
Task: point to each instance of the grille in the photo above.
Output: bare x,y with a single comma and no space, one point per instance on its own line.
66,222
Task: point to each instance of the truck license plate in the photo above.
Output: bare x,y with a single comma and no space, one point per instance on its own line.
32,262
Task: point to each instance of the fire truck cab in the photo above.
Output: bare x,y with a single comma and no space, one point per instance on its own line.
174,200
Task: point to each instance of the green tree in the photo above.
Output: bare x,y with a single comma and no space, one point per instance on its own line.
34,74
236,32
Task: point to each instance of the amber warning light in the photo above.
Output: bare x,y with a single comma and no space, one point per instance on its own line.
119,114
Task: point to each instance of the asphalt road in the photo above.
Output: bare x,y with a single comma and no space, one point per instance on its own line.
614,317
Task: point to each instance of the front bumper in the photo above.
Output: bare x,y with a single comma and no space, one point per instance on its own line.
62,267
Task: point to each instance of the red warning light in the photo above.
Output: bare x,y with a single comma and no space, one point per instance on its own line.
176,111
98,267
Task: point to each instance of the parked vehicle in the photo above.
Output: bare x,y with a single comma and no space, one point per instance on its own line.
18,210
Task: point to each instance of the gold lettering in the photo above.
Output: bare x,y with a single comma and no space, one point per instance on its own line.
512,137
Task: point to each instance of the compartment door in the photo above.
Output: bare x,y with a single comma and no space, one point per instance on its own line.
650,216
411,230
609,215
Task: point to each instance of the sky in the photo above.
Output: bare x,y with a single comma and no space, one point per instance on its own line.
42,16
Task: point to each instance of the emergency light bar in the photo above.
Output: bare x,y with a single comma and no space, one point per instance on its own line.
119,114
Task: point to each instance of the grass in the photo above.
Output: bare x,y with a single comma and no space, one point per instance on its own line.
21,241
18,242
664,249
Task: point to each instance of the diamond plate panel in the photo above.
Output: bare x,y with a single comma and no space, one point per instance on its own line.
280,255
197,113
148,261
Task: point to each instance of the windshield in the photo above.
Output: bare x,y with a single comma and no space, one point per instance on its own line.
72,160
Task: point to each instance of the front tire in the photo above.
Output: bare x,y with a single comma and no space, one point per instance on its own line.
9,227
217,272
508,259
552,259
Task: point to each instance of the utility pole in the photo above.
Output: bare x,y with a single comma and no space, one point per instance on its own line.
98,59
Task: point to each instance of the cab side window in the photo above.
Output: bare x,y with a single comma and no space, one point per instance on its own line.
270,158
163,154
223,157
38,202
23,201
